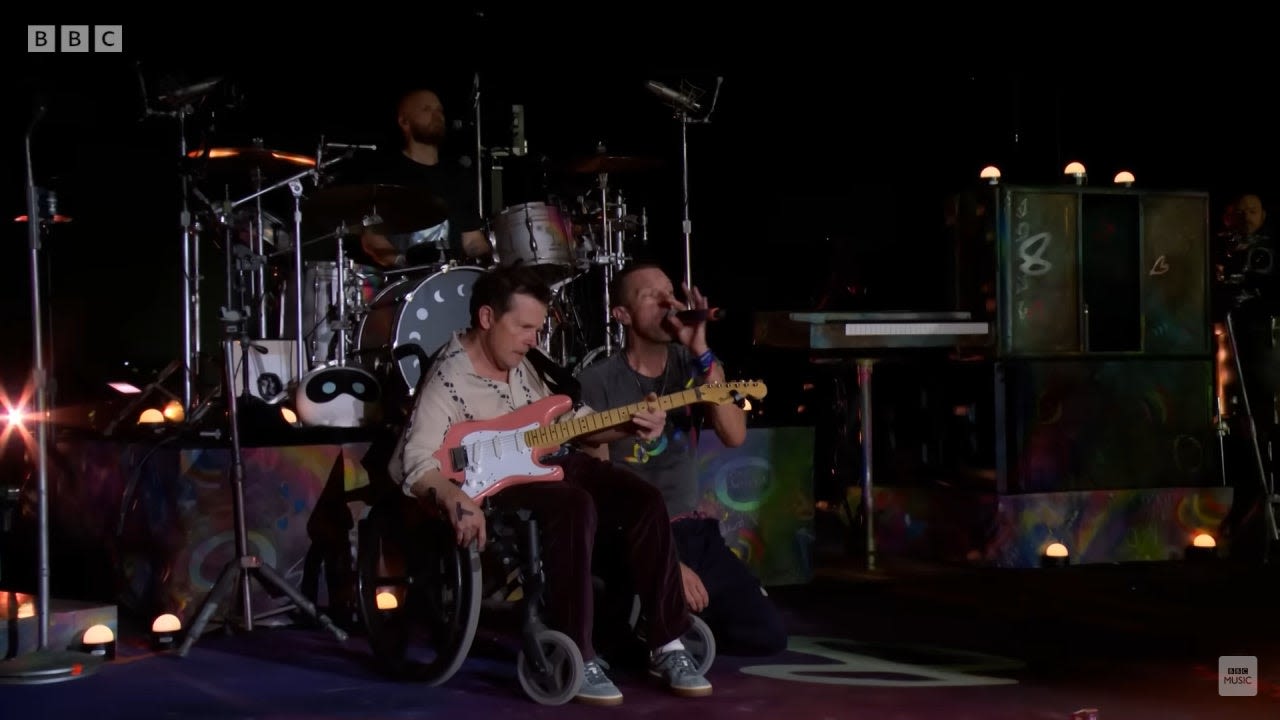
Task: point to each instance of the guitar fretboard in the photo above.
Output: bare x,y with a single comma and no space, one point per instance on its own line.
563,432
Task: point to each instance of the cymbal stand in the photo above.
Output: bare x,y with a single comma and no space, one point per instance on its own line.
295,188
239,569
189,287
259,250
610,261
340,324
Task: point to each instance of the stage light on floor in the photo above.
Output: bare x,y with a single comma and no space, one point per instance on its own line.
99,641
164,632
1055,555
1125,178
1076,170
173,411
125,388
991,174
151,416
1203,547
386,600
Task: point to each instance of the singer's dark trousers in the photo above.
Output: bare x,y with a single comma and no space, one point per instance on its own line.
600,503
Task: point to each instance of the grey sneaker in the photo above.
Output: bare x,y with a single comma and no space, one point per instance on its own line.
678,670
597,688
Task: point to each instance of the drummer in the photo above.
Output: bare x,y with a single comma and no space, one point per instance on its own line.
419,163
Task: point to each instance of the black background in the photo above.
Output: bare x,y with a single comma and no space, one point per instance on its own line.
834,143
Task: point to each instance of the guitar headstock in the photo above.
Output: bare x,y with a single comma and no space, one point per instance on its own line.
732,392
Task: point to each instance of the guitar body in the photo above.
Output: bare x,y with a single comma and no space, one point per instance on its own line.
485,456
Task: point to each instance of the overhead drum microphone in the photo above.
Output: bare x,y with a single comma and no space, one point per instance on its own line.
675,97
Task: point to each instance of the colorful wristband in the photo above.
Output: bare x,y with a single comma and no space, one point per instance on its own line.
706,360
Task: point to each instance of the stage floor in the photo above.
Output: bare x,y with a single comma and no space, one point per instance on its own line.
1135,641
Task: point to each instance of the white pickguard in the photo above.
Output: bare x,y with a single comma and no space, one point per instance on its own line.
494,455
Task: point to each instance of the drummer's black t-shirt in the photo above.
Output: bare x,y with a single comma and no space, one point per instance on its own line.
447,180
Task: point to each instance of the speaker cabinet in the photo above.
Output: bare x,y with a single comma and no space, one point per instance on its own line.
1087,424
1066,271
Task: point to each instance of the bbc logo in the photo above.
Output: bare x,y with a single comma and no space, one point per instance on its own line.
75,38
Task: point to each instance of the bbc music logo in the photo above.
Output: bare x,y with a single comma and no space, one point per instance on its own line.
75,38
1238,675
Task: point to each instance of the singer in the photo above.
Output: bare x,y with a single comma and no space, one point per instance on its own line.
666,350
419,163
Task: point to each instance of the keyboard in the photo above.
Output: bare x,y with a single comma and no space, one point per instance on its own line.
869,330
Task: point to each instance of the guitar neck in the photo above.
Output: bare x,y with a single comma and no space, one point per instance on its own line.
564,431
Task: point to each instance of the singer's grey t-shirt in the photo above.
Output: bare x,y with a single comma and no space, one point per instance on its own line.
668,463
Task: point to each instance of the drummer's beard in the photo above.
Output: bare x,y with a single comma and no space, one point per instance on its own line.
429,134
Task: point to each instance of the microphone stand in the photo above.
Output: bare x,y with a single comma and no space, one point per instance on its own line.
43,665
239,570
479,147
686,225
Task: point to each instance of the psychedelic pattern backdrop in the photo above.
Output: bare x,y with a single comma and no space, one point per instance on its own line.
162,516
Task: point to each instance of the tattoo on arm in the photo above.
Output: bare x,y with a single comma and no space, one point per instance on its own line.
462,512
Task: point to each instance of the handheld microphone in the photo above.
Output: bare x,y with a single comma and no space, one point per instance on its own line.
348,146
693,316
674,97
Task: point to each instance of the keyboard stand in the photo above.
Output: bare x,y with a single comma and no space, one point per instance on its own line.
868,507
858,339
855,374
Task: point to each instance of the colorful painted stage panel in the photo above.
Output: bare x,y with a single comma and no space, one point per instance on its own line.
174,533
1097,526
762,493
163,516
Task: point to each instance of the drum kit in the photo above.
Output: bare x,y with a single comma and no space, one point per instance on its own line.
367,329
375,326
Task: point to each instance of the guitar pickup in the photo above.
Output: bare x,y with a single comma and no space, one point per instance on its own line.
458,458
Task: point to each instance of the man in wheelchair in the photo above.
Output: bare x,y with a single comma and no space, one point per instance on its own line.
486,373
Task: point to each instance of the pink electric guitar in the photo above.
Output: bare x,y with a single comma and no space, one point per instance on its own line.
484,456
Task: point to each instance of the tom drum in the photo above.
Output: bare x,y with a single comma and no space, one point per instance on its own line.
539,235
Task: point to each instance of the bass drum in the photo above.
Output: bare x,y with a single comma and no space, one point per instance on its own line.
415,311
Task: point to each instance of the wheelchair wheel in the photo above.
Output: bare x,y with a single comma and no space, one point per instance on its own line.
564,675
701,644
418,591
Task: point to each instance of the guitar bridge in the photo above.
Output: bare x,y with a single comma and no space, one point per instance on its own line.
458,458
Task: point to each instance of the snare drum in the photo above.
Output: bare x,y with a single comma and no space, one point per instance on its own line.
421,311
538,235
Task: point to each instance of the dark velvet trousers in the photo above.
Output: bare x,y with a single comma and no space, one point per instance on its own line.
600,505
743,620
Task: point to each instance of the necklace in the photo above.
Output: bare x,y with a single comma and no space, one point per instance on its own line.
659,383
659,387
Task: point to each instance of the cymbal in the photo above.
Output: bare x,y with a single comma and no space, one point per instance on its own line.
57,219
242,160
596,164
384,209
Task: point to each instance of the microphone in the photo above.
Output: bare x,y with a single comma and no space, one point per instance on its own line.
693,316
349,146
189,92
678,99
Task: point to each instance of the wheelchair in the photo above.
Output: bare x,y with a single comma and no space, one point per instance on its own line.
421,597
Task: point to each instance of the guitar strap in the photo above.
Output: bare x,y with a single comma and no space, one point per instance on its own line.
558,379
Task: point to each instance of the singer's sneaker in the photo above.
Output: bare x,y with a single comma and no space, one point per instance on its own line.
677,669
